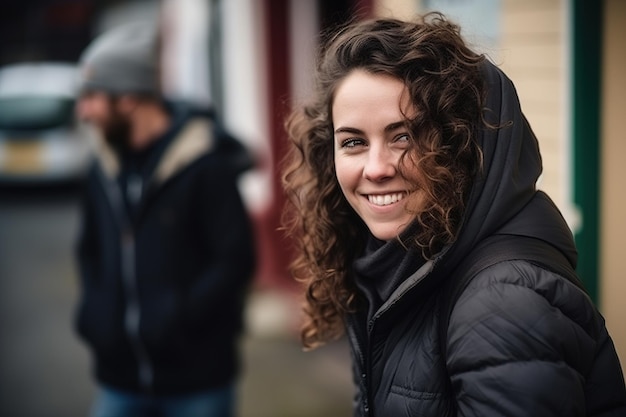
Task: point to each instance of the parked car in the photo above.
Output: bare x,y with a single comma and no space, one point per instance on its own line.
40,139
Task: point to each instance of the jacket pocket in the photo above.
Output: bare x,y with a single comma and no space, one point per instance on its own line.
412,394
402,401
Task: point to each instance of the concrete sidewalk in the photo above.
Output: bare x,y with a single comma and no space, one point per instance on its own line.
280,379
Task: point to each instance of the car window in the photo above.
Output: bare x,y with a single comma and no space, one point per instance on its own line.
37,95
35,112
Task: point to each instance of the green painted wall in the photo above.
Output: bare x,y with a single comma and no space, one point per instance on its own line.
585,107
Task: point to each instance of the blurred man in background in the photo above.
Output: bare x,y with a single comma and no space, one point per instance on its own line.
166,249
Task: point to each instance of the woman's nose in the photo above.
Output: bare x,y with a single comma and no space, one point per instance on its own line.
381,164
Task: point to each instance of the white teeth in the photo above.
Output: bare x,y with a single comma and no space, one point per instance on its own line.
385,200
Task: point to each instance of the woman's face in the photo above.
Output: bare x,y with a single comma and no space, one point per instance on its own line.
368,115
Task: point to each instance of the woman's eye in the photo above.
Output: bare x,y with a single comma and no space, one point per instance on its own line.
403,138
351,143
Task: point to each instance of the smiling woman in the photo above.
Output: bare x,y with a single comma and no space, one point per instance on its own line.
412,153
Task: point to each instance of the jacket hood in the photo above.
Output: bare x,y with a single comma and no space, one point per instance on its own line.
504,198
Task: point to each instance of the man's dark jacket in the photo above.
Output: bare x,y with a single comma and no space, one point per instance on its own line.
166,267
521,340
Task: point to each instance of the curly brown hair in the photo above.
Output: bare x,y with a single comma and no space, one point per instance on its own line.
443,78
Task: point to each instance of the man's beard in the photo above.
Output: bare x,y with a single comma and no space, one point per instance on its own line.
116,132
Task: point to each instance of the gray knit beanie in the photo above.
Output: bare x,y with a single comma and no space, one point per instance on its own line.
122,60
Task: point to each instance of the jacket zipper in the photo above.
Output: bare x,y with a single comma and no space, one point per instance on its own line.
132,313
362,365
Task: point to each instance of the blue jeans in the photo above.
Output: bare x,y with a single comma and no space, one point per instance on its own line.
213,403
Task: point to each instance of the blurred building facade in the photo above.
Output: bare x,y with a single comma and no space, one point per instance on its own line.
251,58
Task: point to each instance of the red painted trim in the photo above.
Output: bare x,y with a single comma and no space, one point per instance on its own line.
273,254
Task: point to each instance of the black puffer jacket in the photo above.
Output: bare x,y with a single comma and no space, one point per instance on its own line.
164,277
521,340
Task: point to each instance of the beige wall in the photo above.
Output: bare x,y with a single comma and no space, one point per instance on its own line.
613,172
533,52
401,9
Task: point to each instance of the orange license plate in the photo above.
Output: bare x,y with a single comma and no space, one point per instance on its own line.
23,157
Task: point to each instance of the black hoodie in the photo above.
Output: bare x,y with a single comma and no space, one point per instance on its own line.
521,341
164,273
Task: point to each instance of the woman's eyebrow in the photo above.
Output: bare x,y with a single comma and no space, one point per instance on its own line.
395,126
389,128
352,130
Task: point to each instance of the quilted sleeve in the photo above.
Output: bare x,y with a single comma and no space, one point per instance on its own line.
521,342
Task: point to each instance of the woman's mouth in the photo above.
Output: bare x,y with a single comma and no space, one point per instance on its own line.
385,199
